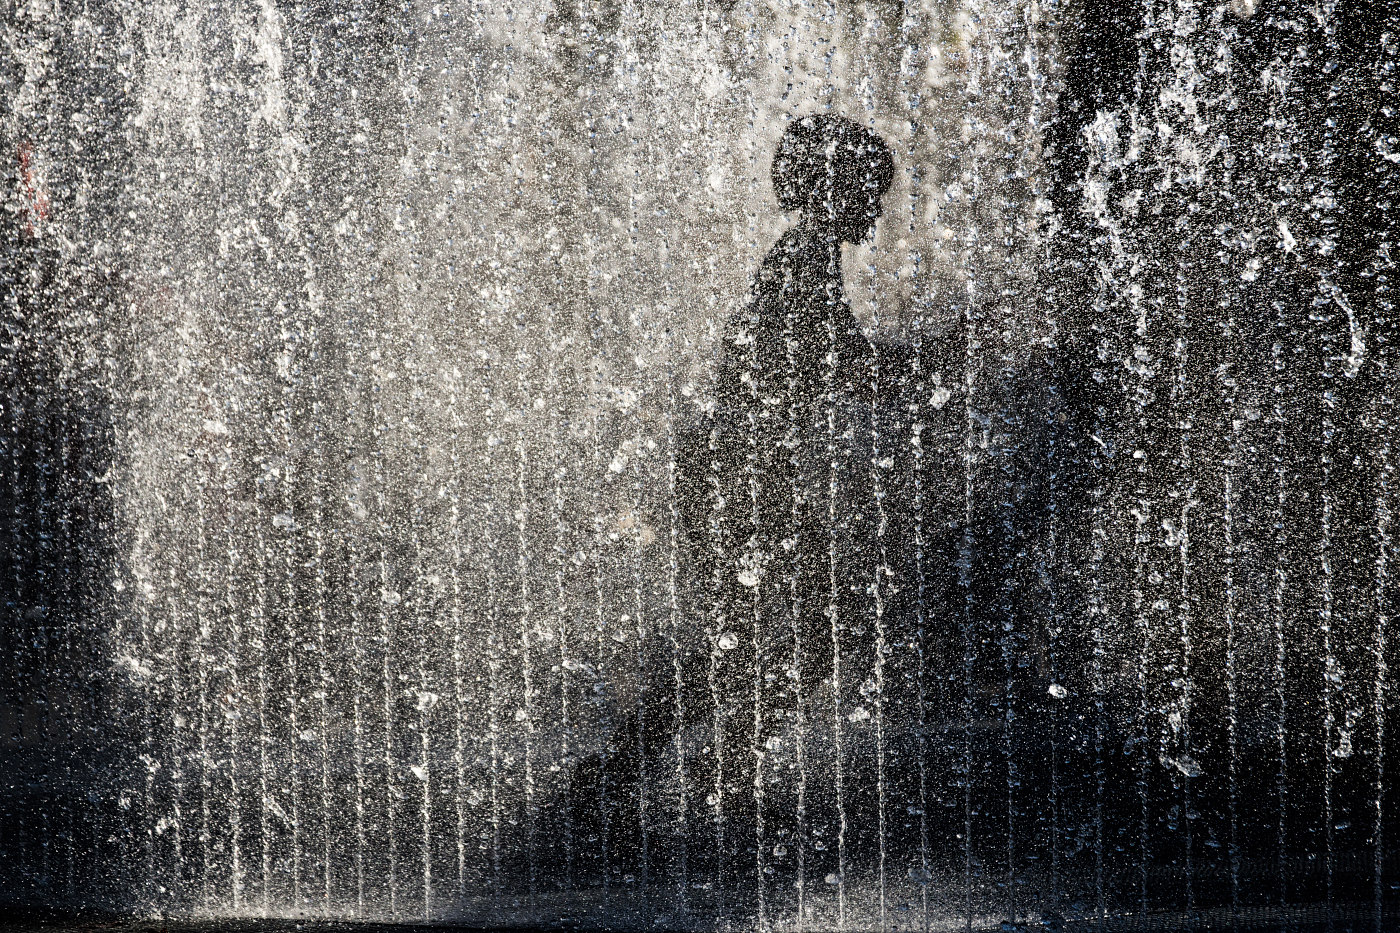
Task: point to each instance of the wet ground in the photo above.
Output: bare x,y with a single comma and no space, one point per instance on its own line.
1340,919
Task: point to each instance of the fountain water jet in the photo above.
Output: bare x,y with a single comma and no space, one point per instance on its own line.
354,361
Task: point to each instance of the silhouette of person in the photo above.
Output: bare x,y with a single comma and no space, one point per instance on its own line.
777,500
779,497
779,491
797,338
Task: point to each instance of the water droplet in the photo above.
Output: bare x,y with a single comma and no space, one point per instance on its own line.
1183,763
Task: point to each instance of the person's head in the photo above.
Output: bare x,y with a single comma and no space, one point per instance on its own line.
835,172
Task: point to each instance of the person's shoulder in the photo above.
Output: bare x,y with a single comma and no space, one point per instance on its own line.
777,264
786,251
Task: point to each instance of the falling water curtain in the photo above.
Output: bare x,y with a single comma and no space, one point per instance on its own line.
360,384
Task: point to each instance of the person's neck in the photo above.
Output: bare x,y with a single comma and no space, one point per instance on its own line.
817,236
814,245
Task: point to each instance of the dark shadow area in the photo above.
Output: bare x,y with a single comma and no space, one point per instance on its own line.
62,746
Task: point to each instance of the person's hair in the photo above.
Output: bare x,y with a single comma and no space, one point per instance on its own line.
823,156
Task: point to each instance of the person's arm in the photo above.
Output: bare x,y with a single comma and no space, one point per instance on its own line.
898,369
